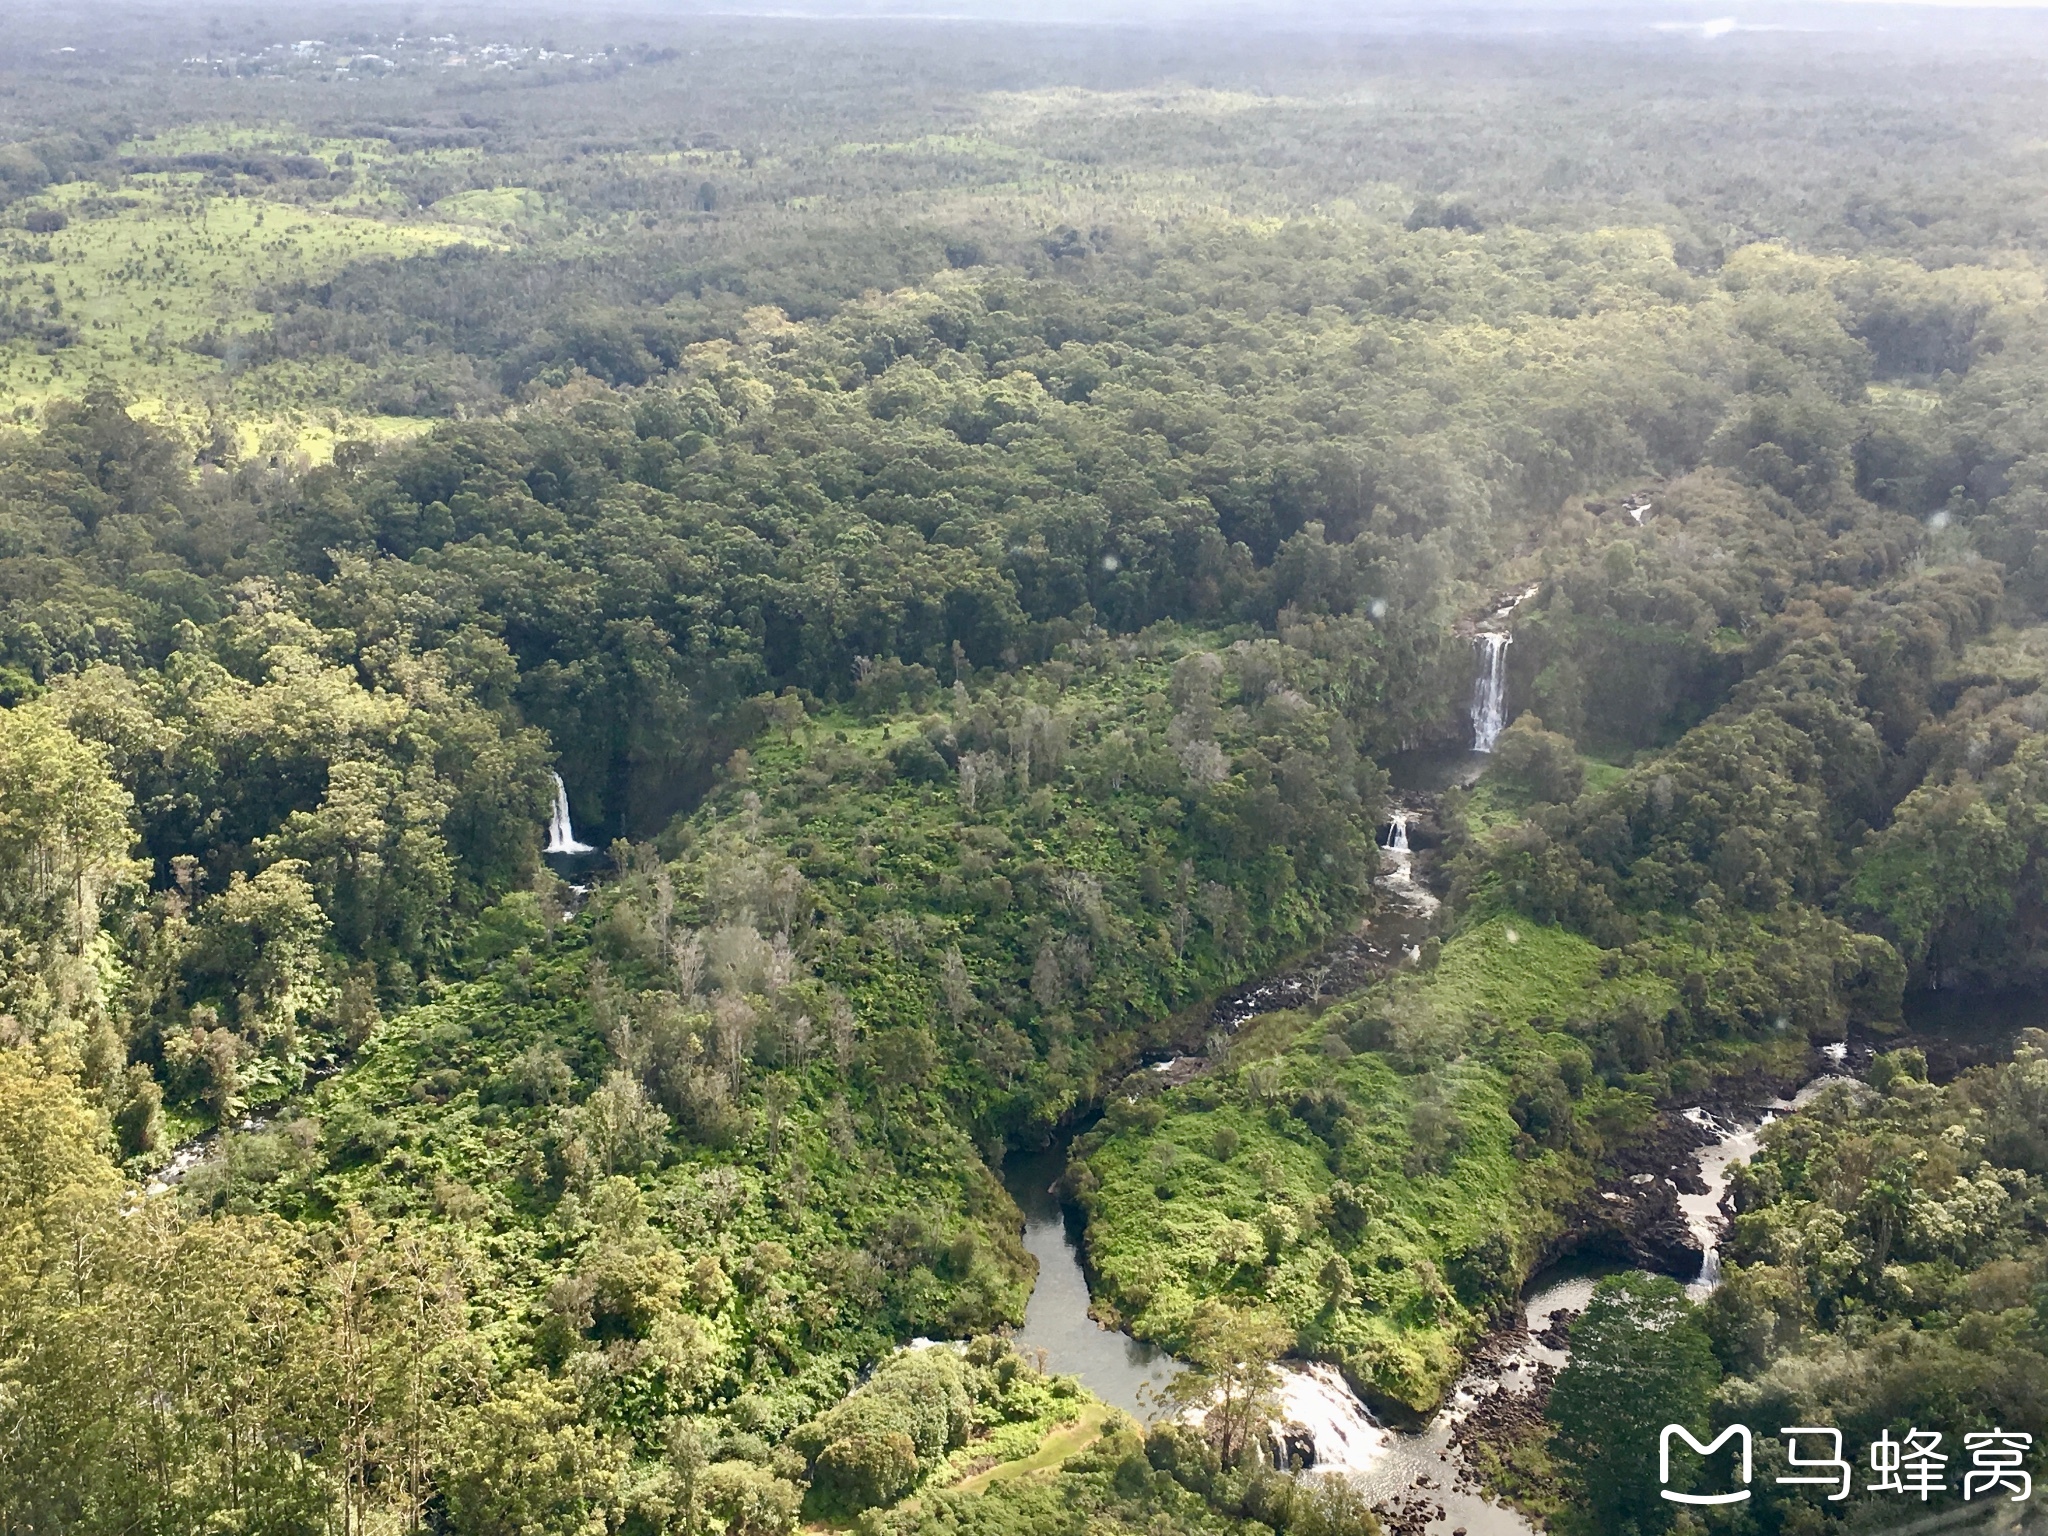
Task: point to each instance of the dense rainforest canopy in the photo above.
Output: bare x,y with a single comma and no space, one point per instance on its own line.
977,520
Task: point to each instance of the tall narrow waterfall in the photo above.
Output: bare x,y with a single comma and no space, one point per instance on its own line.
1397,832
1490,689
561,830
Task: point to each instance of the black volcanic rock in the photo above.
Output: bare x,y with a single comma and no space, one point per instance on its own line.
1639,1224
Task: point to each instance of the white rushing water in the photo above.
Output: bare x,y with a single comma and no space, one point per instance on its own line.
1736,1143
1418,1474
1398,862
1490,688
199,1150
561,830
1347,1437
1521,597
1421,1468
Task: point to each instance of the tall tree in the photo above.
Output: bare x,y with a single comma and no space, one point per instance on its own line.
1640,1360
1230,1378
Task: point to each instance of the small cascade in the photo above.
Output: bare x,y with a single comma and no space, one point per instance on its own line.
1412,1475
1490,688
1736,1143
561,830
1507,609
1398,861
1710,1269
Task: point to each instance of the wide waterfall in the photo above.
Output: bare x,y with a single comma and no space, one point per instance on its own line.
1490,688
561,830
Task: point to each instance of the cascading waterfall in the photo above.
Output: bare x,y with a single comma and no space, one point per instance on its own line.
1710,1268
1398,876
1736,1143
1490,688
1316,1398
561,830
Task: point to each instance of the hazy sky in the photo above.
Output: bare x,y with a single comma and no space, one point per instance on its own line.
1745,14
1971,25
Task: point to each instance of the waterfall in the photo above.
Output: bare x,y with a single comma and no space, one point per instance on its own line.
1735,1143
1710,1268
561,830
1397,877
1490,688
1316,1398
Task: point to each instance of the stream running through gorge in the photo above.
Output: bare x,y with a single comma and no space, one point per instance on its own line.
1416,1476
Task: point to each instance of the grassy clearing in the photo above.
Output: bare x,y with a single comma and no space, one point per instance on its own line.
370,187
1600,775
1363,1170
1513,970
1493,803
1049,1447
152,285
493,206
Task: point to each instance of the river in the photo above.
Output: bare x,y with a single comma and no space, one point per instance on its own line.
1117,1368
1415,1476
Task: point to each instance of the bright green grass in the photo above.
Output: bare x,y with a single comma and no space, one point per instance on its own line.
251,138
369,158
1030,1447
1602,776
1491,804
1183,1211
493,206
1518,971
144,271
